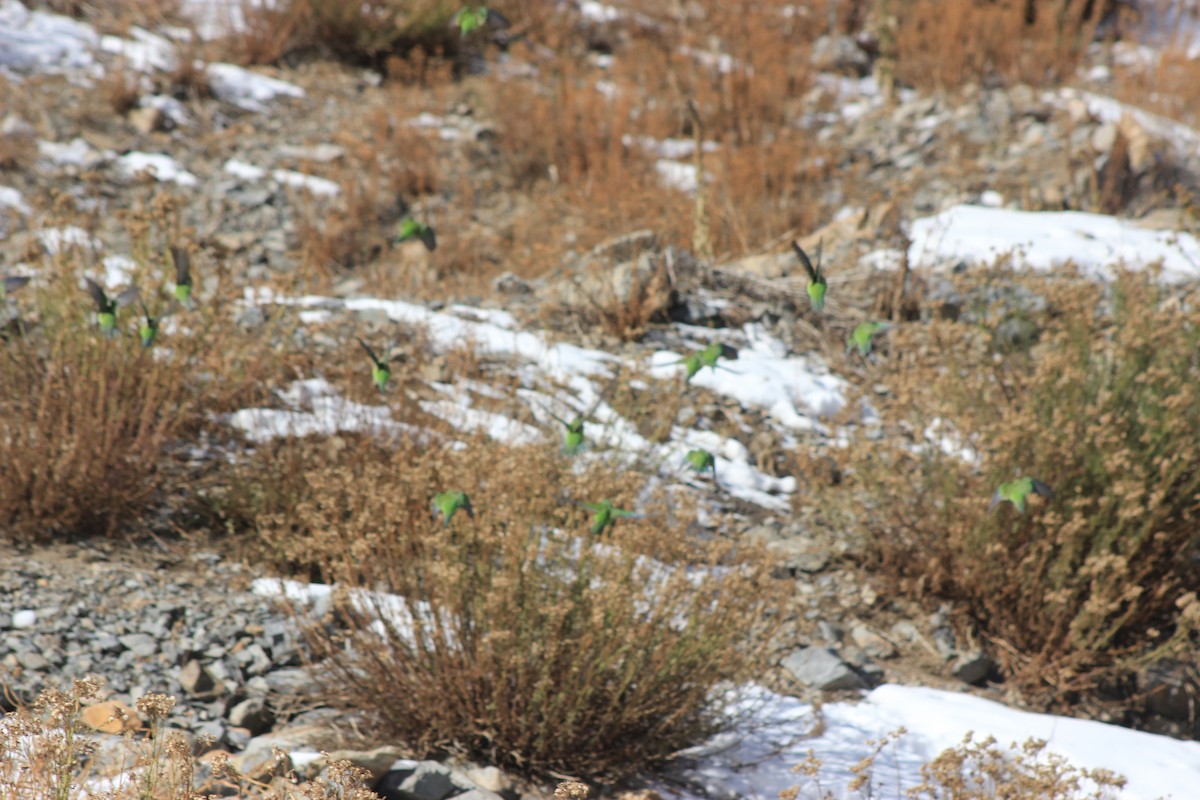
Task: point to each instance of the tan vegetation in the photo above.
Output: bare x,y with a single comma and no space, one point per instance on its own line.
1098,399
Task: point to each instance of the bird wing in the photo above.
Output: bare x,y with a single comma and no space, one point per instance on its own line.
14,282
370,352
98,295
996,500
131,295
620,512
813,275
593,507
429,238
1043,489
183,266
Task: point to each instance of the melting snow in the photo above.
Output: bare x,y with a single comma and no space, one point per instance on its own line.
247,172
248,90
311,183
161,166
11,198
1045,239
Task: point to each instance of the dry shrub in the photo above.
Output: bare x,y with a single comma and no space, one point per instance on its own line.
980,770
1169,85
973,770
530,644
360,33
84,422
1076,592
941,45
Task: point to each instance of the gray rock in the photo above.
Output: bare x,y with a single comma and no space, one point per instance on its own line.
140,644
33,661
432,781
259,762
821,668
293,681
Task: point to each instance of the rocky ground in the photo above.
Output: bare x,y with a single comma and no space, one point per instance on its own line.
254,168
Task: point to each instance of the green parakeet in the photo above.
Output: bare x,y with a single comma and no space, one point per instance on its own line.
411,229
1016,492
447,504
381,373
183,276
605,514
863,333
106,309
816,278
700,460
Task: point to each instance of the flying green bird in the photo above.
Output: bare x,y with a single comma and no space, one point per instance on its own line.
605,514
706,358
700,460
1017,491
183,276
816,278
573,433
11,283
863,333
411,229
148,329
468,18
447,504
381,372
106,310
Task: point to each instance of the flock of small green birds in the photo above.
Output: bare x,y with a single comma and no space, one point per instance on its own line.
447,504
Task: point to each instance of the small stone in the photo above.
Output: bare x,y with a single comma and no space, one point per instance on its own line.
26,618
33,661
140,644
431,781
489,778
972,667
821,668
1104,137
146,119
237,738
253,714
871,643
258,761
508,283
111,716
198,681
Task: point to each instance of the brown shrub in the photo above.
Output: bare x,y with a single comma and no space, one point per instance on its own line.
84,422
530,643
1079,591
360,33
941,45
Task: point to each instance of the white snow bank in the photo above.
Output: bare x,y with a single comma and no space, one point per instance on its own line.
329,413
322,187
1108,109
756,761
1046,239
161,166
248,90
792,389
35,41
